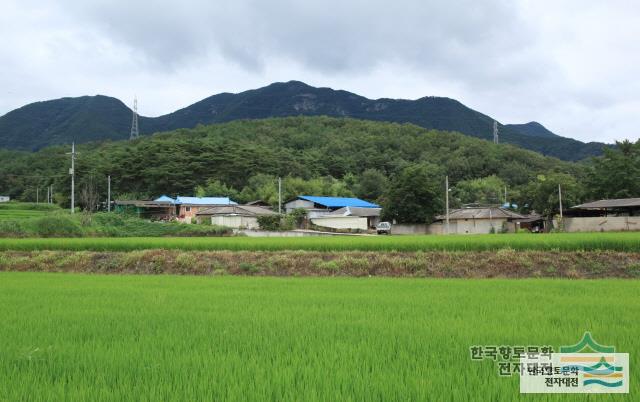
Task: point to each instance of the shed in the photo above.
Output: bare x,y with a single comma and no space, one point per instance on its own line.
612,207
154,210
372,214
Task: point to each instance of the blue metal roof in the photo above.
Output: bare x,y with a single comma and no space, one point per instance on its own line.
197,200
338,202
165,198
205,201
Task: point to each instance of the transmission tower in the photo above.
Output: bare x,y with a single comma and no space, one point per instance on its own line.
495,132
134,122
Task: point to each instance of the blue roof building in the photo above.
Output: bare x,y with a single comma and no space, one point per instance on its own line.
165,198
338,202
197,200
204,201
317,206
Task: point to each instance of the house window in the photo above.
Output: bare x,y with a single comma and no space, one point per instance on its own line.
188,209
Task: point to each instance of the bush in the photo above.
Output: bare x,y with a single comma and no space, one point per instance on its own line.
11,229
56,226
270,222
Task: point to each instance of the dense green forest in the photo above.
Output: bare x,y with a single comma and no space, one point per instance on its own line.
401,166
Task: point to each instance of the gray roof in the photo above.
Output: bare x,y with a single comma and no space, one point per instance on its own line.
244,210
481,213
533,217
615,203
357,211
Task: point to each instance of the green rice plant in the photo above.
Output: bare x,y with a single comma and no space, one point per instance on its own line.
622,241
143,338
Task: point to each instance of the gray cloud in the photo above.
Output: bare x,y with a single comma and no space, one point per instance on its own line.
570,66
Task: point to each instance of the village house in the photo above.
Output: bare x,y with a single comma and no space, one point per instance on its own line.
4,198
317,206
188,207
621,214
234,216
322,211
183,209
477,220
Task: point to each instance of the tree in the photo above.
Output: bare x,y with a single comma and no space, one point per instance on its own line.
415,195
616,173
486,190
89,197
215,188
542,195
371,184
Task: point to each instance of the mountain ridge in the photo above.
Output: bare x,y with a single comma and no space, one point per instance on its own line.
99,117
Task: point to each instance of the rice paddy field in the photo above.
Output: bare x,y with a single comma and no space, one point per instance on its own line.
161,338
619,241
269,335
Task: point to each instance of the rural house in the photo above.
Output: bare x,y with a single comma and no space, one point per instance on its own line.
188,207
477,220
4,198
621,214
234,216
323,211
317,206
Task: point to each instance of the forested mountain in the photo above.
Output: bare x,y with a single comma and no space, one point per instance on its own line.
327,156
93,118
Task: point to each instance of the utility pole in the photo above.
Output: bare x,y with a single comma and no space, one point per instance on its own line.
37,195
72,172
51,192
109,193
48,195
505,195
446,190
560,199
495,132
279,195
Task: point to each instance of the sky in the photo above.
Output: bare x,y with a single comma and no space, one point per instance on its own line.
571,65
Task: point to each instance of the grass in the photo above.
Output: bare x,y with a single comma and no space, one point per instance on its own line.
622,241
149,338
18,220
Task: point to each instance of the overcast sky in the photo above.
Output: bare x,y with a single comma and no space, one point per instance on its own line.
571,65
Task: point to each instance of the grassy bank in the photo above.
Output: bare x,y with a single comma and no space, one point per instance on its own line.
628,241
504,263
122,338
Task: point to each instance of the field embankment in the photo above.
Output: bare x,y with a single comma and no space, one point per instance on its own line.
504,263
620,241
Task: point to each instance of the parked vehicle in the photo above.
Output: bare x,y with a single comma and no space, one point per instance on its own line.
383,228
